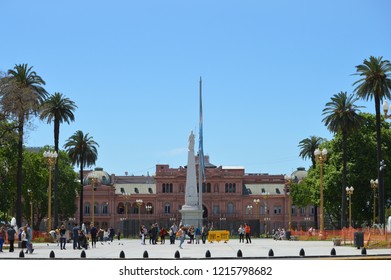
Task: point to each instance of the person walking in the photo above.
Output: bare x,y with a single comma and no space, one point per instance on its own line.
247,230
75,237
11,237
241,232
23,238
204,234
181,234
63,241
29,239
93,232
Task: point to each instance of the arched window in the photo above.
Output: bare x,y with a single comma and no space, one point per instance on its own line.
87,208
230,208
167,208
96,208
105,209
120,208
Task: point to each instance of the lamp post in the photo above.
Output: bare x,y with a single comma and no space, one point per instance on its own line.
306,220
249,209
51,160
321,157
257,202
288,184
139,202
222,219
265,196
30,192
126,196
374,186
5,170
148,208
349,191
94,180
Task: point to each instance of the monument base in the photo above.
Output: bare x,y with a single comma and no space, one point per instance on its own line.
191,216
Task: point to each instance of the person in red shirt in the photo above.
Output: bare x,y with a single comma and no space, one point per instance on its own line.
247,230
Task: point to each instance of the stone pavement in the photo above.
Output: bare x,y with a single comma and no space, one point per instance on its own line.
259,248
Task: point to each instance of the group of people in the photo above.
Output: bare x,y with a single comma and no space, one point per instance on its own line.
174,232
244,231
279,234
24,235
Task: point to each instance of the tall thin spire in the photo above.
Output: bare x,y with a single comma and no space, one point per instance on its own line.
201,164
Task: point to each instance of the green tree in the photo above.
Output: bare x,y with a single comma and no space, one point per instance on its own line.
21,95
375,83
82,151
36,179
57,109
341,116
307,148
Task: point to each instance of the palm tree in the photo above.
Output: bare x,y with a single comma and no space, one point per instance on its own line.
307,150
375,83
57,109
22,95
82,151
341,117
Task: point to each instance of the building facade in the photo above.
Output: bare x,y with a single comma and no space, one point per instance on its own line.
230,197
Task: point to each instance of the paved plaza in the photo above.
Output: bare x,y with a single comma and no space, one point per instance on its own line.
259,248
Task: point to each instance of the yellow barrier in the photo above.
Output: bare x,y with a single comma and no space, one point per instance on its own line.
218,235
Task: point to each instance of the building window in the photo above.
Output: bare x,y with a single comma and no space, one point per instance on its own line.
206,187
167,208
293,210
277,210
216,209
105,209
96,208
230,208
312,210
167,188
121,208
230,188
216,188
87,209
302,211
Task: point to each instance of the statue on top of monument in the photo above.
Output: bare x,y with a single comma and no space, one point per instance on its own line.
191,141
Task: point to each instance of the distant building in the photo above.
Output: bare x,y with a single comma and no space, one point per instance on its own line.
230,197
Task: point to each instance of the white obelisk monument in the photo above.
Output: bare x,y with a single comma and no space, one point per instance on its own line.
191,213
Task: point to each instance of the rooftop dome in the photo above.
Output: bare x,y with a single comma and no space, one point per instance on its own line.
102,176
300,174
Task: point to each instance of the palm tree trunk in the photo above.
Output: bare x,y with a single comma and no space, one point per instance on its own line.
81,209
19,173
55,189
379,159
343,191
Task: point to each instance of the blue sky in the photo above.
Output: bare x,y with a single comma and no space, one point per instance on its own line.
133,68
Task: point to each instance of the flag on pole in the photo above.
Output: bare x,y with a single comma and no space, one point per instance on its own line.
201,164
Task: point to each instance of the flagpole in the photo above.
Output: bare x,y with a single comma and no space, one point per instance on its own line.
200,157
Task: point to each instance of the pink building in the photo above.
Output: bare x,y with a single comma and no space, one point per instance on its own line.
230,197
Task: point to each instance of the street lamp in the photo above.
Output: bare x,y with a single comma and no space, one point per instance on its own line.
306,220
126,196
148,208
51,160
374,186
94,180
349,191
139,202
5,170
30,192
249,209
257,202
222,219
288,184
265,196
321,157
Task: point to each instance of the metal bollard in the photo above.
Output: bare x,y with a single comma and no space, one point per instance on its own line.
363,251
21,254
207,254
51,255
302,253
122,255
145,255
333,252
271,253
83,254
239,254
177,255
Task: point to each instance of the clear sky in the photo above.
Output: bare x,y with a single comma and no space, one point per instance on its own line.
133,69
